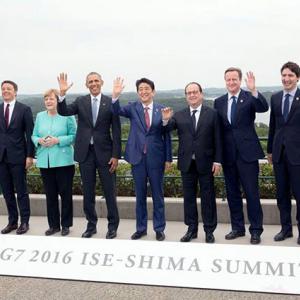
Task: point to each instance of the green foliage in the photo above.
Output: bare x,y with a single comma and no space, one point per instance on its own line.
172,182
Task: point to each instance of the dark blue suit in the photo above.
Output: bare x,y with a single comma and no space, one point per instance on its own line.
15,147
147,165
284,145
240,159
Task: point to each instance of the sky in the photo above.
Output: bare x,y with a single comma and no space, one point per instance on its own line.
171,42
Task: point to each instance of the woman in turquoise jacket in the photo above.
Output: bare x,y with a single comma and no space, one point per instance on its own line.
53,136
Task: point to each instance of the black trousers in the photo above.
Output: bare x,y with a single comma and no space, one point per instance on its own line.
59,181
88,170
13,177
287,183
190,181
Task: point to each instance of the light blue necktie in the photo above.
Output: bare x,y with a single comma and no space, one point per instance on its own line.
95,110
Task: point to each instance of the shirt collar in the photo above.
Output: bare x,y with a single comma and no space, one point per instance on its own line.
236,95
11,103
98,97
150,106
198,108
291,93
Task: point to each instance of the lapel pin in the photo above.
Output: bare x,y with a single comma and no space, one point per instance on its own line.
297,98
241,100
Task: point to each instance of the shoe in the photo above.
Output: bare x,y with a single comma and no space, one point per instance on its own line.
138,234
209,238
51,231
160,236
282,235
9,228
234,234
189,236
65,231
23,228
255,239
89,233
111,234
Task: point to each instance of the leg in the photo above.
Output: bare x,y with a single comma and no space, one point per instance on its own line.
156,177
248,174
7,186
88,177
139,174
64,179
189,182
208,202
234,197
51,191
108,182
18,173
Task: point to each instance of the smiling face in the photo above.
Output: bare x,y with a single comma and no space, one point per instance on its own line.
146,93
51,102
289,80
8,92
94,83
233,82
194,96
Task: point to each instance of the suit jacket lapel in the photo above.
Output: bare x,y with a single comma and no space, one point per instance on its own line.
88,107
201,117
102,108
155,115
295,103
141,114
225,108
14,113
239,105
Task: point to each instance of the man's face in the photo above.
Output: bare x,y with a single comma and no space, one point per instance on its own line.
8,92
233,82
94,84
145,93
289,80
193,95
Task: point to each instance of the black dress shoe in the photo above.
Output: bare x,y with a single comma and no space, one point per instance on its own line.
65,231
89,233
9,228
23,228
234,234
111,234
255,239
138,234
209,238
51,231
189,236
160,236
282,235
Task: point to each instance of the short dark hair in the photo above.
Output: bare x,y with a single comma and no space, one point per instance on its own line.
234,69
193,82
293,67
10,82
144,80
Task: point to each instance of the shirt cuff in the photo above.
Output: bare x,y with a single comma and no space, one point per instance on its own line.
114,100
165,122
61,98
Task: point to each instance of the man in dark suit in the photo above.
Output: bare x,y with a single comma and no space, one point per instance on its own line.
241,151
284,147
97,148
16,156
199,159
148,150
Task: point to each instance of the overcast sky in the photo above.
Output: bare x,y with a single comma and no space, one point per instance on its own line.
170,41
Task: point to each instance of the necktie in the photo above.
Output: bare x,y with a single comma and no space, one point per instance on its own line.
233,110
6,115
286,107
95,110
194,119
147,117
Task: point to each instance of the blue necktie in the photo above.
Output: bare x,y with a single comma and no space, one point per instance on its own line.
286,107
233,110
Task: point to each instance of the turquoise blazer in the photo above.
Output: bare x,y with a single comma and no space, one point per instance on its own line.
64,128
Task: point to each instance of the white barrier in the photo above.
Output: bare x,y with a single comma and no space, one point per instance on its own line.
226,267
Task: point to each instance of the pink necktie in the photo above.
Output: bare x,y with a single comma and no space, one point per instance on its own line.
147,117
6,115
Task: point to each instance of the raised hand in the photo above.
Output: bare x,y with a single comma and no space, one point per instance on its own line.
250,82
118,87
167,113
63,84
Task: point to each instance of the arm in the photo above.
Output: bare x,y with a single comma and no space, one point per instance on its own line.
35,137
121,111
272,126
28,125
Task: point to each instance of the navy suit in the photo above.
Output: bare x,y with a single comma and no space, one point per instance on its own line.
198,150
240,160
15,147
157,145
284,145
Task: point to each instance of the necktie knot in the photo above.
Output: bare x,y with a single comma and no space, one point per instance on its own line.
194,111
